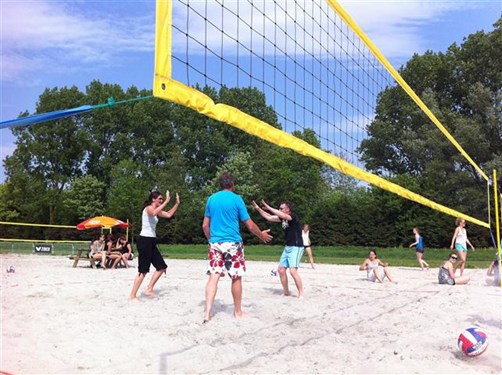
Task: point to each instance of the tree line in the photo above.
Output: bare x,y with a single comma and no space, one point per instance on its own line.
106,161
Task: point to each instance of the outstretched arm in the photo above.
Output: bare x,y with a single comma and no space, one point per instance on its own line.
266,215
263,235
281,215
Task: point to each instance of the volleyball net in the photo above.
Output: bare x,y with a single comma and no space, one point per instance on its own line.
314,64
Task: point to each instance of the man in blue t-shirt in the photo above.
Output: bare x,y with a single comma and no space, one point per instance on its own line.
293,249
224,211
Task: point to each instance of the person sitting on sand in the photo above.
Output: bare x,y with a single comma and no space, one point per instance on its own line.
376,269
446,273
493,272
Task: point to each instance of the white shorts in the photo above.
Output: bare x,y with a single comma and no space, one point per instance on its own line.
372,277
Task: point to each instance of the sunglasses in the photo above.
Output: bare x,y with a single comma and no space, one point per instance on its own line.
454,257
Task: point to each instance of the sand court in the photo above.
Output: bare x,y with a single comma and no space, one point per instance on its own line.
60,320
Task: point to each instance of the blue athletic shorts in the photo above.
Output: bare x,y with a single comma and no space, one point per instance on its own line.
291,256
460,247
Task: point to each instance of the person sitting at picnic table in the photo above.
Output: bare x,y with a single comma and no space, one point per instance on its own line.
125,249
98,251
114,255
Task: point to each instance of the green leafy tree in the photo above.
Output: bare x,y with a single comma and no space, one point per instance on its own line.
463,88
85,196
49,154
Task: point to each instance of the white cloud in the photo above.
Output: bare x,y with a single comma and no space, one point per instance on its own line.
39,35
395,27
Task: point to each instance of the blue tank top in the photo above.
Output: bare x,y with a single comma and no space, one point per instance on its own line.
420,244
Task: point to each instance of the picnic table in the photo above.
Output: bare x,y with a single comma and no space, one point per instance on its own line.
83,254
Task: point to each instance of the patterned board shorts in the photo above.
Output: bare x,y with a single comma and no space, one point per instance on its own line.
226,257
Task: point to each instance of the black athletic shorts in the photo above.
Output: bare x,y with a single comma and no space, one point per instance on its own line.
148,253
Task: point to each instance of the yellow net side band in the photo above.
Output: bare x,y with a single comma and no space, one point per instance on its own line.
180,93
41,241
38,225
374,49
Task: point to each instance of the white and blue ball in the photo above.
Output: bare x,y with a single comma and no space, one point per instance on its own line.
472,342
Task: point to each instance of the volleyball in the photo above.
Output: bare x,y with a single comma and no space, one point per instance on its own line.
11,269
472,342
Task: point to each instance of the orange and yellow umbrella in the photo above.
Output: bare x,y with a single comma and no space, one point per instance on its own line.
101,222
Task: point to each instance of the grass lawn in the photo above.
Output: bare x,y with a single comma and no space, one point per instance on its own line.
403,257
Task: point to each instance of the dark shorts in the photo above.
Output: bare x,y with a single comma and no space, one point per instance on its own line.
421,251
148,253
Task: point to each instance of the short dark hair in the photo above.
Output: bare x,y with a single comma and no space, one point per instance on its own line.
289,204
227,180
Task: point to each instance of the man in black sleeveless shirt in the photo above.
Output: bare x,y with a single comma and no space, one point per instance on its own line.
293,250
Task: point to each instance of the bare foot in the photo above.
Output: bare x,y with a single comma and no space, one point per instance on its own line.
240,315
286,294
149,293
207,318
134,299
300,296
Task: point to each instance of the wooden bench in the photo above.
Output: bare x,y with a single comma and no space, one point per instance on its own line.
83,254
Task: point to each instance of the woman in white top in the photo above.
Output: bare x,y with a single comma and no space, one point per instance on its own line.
376,269
148,253
98,251
306,244
460,241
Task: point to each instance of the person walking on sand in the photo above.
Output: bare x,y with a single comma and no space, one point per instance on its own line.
224,210
306,243
293,250
460,242
148,252
419,243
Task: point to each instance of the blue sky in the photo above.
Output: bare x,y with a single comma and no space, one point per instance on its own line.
46,44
